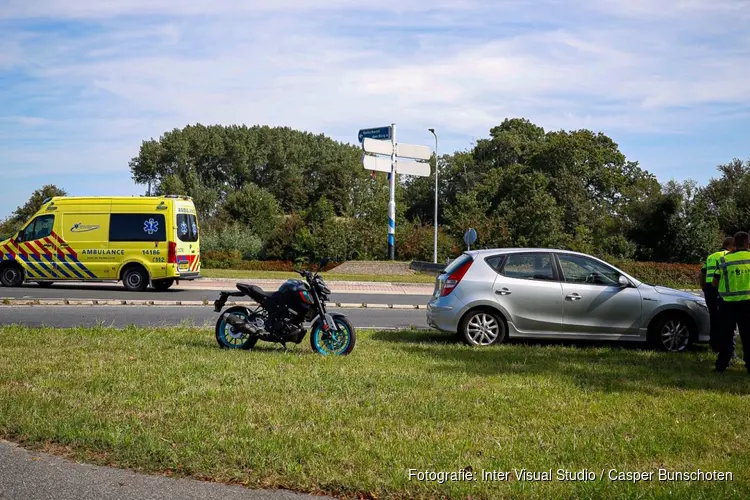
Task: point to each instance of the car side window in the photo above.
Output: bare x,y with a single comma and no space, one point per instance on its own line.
41,227
495,262
579,269
529,266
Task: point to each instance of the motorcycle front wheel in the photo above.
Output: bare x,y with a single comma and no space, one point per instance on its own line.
227,337
338,343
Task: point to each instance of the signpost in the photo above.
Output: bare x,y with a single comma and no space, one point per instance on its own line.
382,140
470,236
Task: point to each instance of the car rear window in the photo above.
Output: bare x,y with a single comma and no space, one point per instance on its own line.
453,266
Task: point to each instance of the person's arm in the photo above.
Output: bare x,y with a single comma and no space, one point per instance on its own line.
702,276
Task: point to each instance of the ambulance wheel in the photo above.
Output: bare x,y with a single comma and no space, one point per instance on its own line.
135,279
11,275
162,285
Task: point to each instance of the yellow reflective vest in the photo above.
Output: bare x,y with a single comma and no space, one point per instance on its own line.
734,276
712,264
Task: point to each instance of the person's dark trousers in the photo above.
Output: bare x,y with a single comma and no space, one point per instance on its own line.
711,294
733,314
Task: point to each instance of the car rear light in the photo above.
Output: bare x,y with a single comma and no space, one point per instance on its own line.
172,255
455,278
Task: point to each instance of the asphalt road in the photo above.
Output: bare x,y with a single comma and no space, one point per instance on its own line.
120,316
116,292
28,475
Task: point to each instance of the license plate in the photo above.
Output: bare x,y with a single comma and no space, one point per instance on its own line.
183,266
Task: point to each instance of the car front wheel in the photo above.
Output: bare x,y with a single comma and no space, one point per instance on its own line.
671,332
482,328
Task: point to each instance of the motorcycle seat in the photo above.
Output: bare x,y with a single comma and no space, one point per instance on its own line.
253,291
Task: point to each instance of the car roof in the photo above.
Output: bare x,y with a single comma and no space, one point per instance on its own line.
494,251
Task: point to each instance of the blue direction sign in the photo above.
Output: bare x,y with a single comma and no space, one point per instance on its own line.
381,133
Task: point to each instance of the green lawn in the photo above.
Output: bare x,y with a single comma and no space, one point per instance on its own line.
169,400
381,278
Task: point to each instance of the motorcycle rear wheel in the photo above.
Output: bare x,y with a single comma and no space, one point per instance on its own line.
339,344
225,334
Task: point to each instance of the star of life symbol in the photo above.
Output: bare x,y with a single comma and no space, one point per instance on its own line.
151,226
183,227
195,228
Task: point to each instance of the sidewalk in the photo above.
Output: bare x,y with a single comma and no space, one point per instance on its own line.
30,475
365,287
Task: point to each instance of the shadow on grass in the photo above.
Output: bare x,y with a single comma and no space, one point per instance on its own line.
209,343
599,366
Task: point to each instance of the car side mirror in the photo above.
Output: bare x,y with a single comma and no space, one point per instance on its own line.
18,237
623,281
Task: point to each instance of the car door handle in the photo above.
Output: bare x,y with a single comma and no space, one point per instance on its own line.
503,291
573,296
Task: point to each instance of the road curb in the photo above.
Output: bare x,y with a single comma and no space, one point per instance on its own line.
178,303
329,282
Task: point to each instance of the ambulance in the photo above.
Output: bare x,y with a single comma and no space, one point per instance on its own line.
139,240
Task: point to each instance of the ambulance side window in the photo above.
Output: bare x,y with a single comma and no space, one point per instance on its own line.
41,227
137,227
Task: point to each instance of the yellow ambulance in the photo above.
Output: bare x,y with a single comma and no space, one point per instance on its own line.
137,240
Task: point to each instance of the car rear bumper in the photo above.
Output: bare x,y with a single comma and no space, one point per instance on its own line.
443,313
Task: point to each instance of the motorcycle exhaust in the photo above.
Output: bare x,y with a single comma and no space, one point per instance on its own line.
241,325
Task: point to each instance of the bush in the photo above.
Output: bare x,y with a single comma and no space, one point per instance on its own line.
417,242
232,238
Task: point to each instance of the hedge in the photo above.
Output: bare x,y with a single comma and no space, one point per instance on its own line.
662,273
234,260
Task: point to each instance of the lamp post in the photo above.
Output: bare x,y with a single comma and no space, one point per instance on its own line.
434,254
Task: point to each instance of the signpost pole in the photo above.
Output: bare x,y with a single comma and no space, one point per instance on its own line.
392,202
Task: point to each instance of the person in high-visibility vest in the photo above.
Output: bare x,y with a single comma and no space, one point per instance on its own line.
711,294
732,280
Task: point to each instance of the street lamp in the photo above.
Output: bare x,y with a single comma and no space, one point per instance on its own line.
434,254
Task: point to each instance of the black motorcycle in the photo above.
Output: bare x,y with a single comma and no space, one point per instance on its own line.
280,317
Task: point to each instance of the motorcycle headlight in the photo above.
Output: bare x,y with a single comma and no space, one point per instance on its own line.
323,287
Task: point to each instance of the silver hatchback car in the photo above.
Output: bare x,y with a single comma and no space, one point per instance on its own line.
488,296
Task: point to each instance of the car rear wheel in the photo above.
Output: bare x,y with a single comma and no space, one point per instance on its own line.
135,279
482,328
672,332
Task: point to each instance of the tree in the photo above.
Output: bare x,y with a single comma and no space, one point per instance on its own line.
306,195
254,207
22,214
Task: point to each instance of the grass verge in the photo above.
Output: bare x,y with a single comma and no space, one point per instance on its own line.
170,401
379,278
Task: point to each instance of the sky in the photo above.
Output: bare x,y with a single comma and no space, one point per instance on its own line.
83,83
